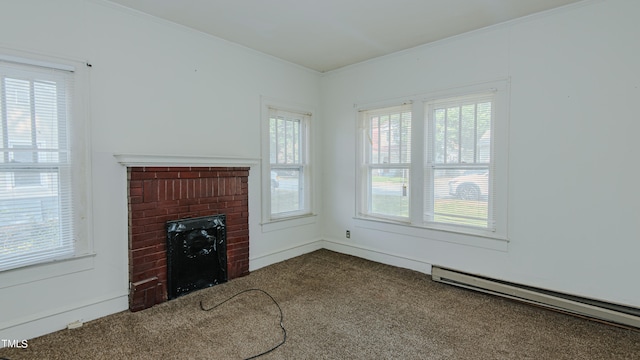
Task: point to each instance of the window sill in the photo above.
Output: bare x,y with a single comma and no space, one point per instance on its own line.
288,222
47,270
494,242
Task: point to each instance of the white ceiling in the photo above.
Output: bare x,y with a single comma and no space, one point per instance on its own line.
324,35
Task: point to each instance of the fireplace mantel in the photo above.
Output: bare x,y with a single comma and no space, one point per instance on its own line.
132,160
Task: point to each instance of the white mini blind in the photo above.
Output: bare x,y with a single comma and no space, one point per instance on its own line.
36,216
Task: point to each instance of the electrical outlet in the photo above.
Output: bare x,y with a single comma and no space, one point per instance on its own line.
348,235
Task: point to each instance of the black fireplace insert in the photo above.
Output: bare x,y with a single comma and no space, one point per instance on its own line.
196,254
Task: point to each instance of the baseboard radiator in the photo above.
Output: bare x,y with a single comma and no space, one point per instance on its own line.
594,309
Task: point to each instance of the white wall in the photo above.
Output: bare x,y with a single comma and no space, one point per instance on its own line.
156,88
573,211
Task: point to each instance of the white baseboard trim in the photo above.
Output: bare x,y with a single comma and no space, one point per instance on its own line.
34,325
277,256
377,255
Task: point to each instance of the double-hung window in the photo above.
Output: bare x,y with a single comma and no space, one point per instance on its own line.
437,161
37,176
287,171
386,160
459,169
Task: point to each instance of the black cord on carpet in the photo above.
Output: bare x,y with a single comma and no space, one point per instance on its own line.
284,332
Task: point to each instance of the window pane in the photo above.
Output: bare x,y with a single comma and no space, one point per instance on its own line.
461,196
374,143
47,120
18,107
439,131
484,132
286,190
289,143
384,139
468,134
389,192
273,142
281,137
295,142
452,135
405,135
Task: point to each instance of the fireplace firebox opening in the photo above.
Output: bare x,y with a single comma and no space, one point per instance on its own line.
196,254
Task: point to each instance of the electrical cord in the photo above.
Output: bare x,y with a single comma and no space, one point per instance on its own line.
284,332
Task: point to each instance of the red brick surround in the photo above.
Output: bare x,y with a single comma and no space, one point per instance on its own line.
161,194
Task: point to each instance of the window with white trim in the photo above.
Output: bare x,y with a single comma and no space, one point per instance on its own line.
40,185
458,158
437,161
386,162
287,139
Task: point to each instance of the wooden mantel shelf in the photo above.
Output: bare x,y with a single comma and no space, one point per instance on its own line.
132,160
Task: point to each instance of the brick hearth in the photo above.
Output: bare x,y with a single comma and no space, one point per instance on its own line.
161,194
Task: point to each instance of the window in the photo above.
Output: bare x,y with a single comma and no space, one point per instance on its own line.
38,177
287,172
458,172
386,161
439,161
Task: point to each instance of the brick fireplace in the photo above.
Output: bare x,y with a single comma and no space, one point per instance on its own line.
160,194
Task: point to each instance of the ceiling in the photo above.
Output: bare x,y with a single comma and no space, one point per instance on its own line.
325,35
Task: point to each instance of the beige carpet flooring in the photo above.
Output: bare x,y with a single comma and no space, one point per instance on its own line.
337,307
